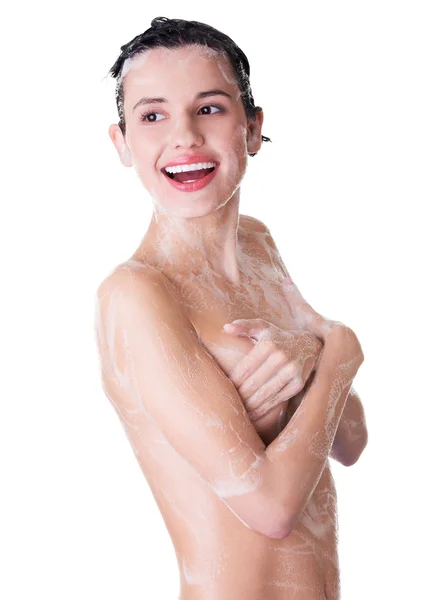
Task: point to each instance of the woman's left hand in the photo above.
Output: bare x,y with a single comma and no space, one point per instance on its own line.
276,368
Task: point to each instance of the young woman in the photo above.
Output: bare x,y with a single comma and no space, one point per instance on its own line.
232,427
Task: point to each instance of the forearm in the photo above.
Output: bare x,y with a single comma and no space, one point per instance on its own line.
351,435
299,453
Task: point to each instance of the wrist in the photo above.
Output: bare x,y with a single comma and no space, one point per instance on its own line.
322,328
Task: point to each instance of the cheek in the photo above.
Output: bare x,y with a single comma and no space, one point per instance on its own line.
143,155
138,147
239,141
237,153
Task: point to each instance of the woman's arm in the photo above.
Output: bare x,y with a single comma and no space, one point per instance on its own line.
300,451
352,434
154,368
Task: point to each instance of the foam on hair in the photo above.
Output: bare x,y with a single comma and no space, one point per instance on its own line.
174,33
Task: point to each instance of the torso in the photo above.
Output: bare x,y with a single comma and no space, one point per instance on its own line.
219,557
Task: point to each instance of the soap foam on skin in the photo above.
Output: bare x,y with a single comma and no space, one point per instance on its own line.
238,485
135,63
182,245
343,380
207,573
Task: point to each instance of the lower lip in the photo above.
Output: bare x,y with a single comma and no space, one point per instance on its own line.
194,186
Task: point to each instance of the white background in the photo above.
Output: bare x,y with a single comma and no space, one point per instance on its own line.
345,187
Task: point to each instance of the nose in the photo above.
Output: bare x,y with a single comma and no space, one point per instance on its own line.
186,133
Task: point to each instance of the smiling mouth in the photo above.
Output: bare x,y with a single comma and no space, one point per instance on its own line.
189,176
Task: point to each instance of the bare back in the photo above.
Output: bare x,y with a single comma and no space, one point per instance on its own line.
219,557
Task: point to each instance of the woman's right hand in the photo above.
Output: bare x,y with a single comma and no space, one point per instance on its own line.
308,319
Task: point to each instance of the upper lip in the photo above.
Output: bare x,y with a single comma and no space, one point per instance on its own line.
189,160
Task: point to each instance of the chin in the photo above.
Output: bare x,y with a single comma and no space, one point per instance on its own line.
192,209
192,205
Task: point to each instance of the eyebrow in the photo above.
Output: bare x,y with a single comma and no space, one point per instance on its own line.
146,100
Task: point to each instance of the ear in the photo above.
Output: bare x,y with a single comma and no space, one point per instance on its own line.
121,146
254,132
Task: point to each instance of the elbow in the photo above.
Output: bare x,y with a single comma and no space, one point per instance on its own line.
279,528
277,515
286,527
276,529
275,525
278,533
351,460
283,533
264,517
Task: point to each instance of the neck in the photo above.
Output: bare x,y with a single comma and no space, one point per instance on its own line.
198,244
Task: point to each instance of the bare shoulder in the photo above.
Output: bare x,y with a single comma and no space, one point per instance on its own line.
126,291
252,224
133,273
257,228
137,290
139,281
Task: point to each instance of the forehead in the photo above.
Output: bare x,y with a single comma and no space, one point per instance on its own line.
171,71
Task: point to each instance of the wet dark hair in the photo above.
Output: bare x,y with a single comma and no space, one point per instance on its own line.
175,33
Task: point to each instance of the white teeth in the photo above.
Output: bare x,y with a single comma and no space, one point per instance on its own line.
193,167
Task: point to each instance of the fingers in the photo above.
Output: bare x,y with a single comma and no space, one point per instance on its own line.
247,327
291,389
274,364
267,392
309,360
250,363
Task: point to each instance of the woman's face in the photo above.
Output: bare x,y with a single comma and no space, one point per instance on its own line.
184,124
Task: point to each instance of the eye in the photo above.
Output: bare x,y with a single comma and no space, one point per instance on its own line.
145,116
221,109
